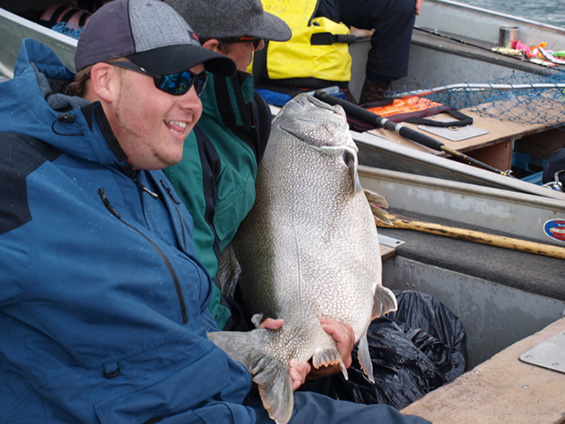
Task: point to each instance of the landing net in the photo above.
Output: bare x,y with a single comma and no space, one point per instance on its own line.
529,99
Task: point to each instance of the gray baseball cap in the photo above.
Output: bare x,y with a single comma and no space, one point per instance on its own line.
149,33
231,18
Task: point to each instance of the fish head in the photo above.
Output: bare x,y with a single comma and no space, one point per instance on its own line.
314,122
321,126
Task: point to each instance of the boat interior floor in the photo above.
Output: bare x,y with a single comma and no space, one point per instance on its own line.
533,273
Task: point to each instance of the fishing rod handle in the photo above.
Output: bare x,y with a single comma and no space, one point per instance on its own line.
407,132
436,145
420,138
378,121
351,109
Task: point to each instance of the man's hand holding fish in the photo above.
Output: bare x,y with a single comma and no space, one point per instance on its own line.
301,370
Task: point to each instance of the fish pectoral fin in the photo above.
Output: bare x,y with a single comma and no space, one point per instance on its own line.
257,319
269,373
384,301
350,159
229,271
375,198
379,214
364,358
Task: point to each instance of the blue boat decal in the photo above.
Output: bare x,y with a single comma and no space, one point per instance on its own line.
555,228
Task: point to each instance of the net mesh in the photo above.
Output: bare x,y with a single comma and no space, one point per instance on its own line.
533,99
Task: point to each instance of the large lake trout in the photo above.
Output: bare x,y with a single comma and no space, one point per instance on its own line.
308,249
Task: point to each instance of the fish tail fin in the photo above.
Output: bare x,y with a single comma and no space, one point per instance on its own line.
269,373
384,301
364,358
275,389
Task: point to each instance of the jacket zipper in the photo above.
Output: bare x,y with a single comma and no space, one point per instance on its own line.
178,289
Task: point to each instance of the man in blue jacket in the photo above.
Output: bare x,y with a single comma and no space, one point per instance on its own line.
102,301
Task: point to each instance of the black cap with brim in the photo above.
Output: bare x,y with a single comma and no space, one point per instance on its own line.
172,59
232,18
148,32
269,27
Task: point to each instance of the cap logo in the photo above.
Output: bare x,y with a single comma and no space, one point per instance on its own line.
193,36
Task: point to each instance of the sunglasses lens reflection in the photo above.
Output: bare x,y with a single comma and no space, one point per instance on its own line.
178,84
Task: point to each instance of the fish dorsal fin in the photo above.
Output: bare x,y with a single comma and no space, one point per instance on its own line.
229,271
384,301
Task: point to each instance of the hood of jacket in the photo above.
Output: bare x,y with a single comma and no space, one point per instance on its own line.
33,104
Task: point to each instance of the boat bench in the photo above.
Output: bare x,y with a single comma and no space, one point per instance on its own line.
387,252
501,390
541,275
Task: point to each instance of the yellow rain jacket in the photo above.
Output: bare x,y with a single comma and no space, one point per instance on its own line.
317,53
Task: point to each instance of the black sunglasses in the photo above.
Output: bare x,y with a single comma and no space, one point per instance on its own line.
244,39
175,84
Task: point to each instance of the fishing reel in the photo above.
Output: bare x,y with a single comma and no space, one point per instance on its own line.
556,185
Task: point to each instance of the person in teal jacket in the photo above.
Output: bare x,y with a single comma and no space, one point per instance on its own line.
216,177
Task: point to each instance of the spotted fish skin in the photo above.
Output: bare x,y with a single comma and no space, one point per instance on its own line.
307,249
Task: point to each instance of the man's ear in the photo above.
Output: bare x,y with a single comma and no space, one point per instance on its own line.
212,44
104,79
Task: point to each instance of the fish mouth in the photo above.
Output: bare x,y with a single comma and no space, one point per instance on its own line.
327,131
304,102
321,136
327,127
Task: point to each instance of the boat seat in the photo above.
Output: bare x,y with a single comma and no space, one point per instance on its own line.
528,272
503,389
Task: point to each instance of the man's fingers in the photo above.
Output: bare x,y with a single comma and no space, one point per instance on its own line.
344,337
272,324
298,372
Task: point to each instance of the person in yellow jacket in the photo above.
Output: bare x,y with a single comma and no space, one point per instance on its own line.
317,55
392,22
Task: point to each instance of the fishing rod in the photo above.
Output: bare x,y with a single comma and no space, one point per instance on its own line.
378,121
450,37
467,43
478,87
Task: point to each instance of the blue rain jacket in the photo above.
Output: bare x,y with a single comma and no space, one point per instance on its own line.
102,302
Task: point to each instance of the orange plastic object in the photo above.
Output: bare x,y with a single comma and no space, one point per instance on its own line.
405,105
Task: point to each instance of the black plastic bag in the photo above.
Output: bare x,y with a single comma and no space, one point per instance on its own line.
414,350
